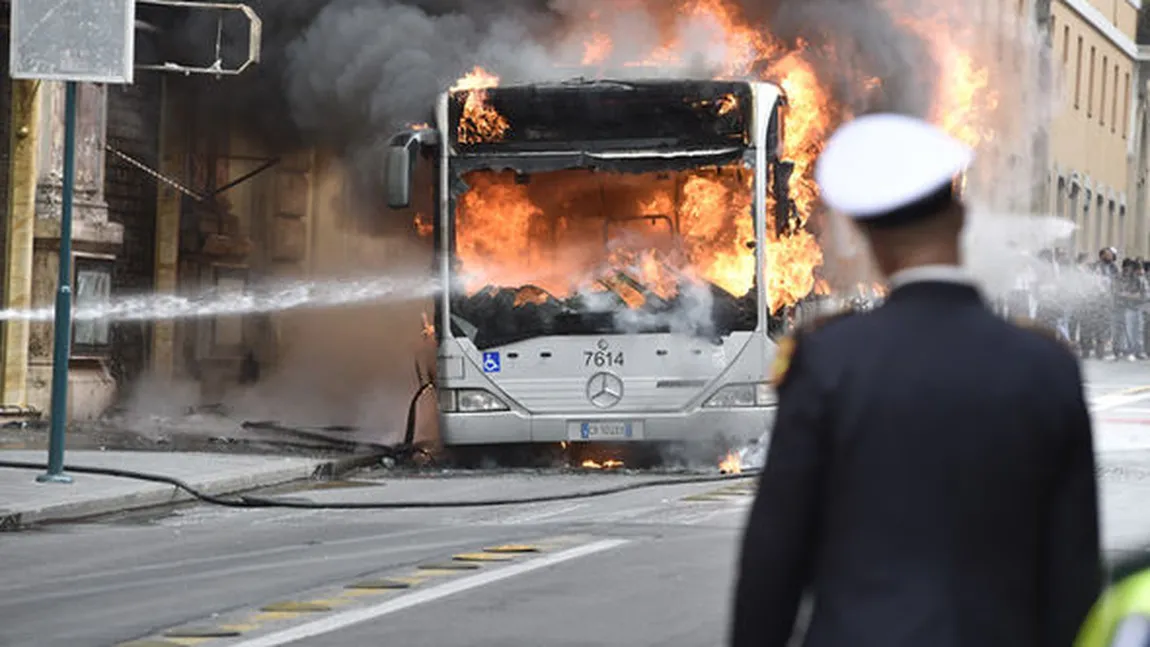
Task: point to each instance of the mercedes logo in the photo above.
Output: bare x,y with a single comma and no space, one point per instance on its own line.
604,390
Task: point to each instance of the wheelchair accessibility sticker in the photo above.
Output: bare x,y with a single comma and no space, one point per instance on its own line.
491,362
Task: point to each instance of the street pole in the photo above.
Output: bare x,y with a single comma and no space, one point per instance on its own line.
62,344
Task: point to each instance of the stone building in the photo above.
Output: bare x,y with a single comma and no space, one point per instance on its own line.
174,200
1096,137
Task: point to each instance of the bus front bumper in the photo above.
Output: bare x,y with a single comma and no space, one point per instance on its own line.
735,426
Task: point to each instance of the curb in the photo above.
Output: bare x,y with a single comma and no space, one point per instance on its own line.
158,495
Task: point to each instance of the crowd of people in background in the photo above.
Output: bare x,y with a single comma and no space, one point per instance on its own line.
1101,306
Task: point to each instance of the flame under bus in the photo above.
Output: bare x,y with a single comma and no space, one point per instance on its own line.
602,242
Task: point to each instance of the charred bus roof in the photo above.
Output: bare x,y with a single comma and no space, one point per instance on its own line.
601,115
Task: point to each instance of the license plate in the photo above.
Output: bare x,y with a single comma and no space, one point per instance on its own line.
606,430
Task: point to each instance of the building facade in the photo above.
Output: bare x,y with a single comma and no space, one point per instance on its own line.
1096,141
173,200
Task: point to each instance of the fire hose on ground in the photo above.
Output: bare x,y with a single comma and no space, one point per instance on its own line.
405,449
246,501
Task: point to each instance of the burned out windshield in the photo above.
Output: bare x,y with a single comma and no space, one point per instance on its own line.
601,115
592,252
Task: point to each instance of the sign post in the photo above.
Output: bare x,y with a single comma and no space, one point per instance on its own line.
71,41
62,322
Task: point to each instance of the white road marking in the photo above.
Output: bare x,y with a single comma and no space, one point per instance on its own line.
338,621
1115,400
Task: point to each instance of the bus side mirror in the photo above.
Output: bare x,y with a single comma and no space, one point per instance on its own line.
399,164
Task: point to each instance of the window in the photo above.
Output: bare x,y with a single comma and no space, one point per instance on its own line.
1095,221
1126,106
93,280
1102,98
1120,220
1077,237
1066,48
1078,76
1090,87
1114,102
1105,224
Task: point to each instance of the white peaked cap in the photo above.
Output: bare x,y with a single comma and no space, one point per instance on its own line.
882,162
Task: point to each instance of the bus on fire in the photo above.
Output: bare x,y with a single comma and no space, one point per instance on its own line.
602,248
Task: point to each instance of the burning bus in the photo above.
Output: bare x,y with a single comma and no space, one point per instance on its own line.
603,248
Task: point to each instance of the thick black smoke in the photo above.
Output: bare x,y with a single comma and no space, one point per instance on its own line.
345,74
337,72
849,41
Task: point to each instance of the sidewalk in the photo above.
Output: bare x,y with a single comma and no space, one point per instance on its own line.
24,501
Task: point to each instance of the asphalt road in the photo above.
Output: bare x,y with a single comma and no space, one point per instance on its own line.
649,567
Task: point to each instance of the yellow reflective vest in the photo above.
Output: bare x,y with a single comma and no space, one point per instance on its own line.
1121,617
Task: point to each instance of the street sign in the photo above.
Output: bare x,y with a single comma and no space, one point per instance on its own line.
73,40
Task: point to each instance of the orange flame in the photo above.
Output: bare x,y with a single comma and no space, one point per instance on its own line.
480,122
731,464
605,465
428,330
549,234
504,228
423,226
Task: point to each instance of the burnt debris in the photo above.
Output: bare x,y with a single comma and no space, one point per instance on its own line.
496,316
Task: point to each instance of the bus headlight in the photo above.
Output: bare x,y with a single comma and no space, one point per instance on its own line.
756,394
469,401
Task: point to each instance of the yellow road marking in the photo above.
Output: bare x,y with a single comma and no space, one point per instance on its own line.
512,548
411,579
481,557
295,606
439,572
204,632
292,609
240,627
384,583
275,615
356,593
330,602
449,566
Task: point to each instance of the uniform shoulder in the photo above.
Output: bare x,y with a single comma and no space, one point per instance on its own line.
788,344
822,320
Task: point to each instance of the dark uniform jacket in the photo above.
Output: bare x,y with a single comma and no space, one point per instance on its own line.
930,482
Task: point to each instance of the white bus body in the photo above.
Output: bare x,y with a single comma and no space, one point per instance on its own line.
624,387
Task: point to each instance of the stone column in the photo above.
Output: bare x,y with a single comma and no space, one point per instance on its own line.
173,164
91,387
22,175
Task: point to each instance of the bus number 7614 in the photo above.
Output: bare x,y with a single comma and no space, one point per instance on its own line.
601,358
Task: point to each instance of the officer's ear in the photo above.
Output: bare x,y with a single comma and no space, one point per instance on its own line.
956,216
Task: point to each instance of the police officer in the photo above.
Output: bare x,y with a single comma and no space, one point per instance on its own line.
930,476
